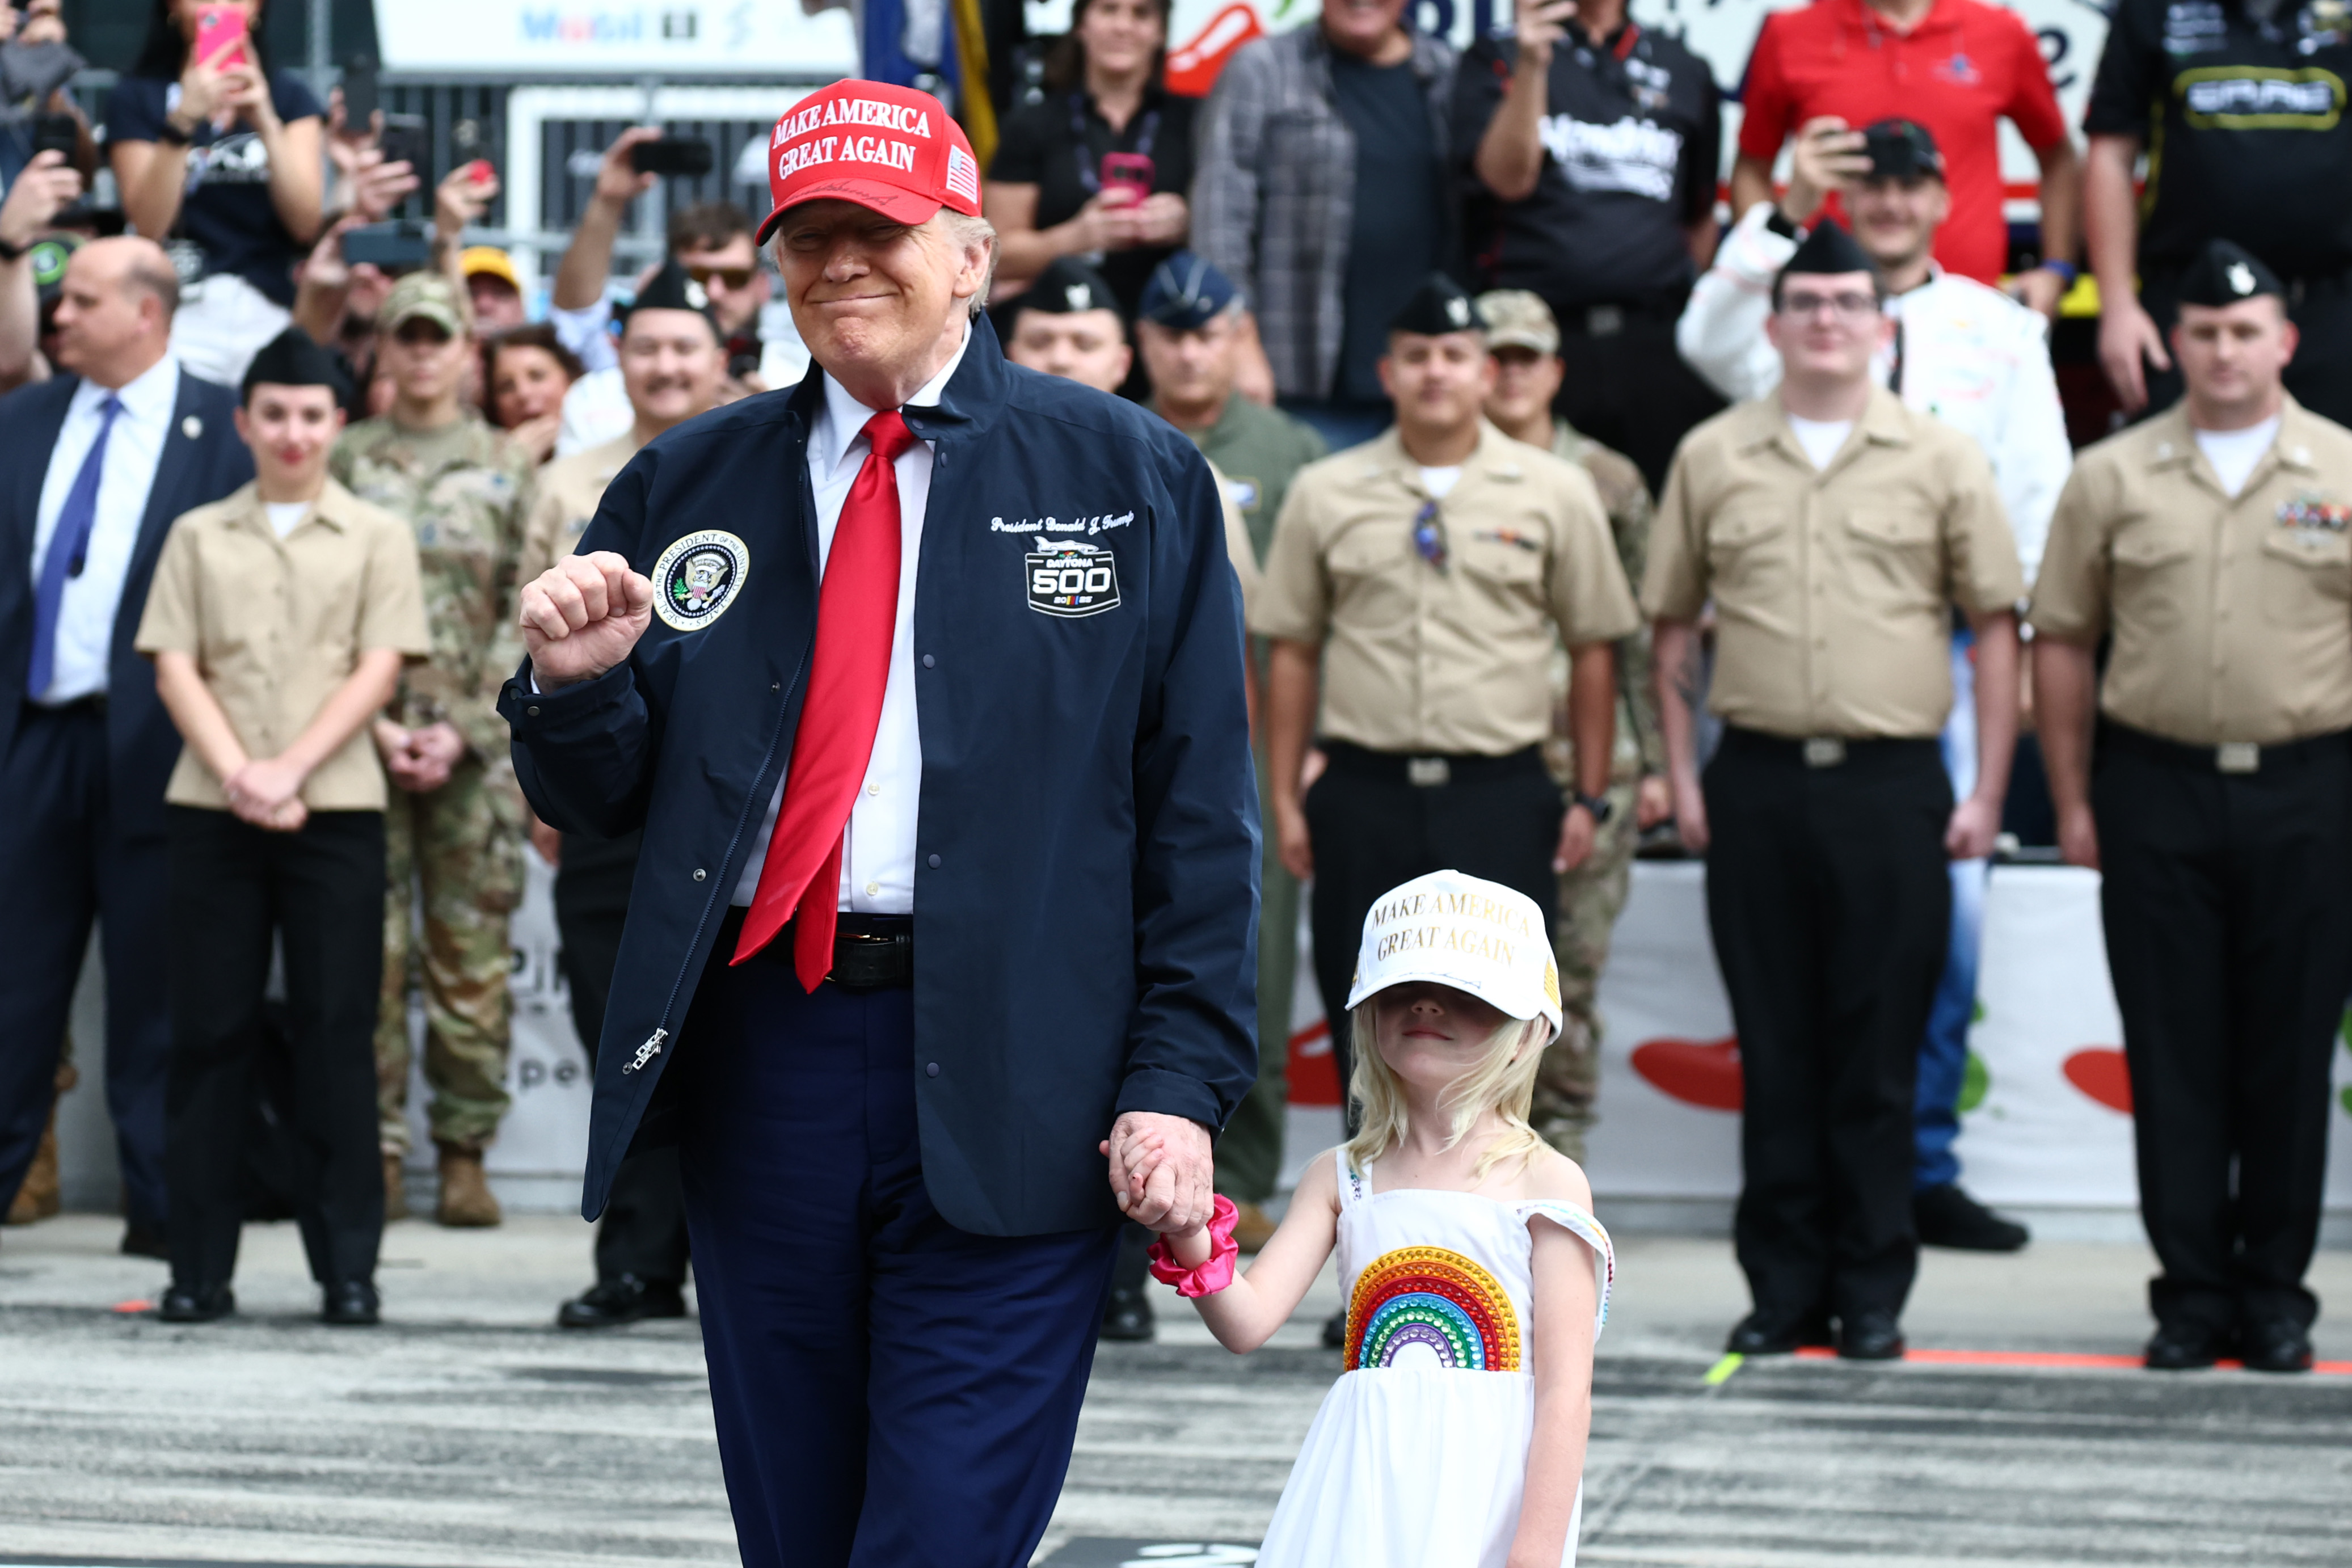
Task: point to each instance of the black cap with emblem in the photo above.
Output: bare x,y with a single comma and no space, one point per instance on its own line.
672,287
293,358
2226,273
1067,285
1901,150
1439,306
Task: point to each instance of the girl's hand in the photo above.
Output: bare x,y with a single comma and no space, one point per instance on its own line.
204,93
245,93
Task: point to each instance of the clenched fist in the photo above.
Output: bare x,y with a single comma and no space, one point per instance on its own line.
581,616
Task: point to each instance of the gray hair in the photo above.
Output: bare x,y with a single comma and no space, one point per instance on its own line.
969,231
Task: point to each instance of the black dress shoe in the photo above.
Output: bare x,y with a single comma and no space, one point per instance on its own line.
197,1303
2187,1347
1948,1216
1127,1319
1870,1336
2279,1344
1763,1333
624,1298
145,1241
1335,1330
352,1304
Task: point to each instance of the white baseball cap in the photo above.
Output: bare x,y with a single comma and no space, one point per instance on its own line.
1465,931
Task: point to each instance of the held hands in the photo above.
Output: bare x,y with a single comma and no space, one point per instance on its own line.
267,793
1160,1168
581,615
1827,157
1540,26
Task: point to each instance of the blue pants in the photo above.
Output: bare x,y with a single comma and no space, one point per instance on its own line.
889,1390
1944,1051
62,865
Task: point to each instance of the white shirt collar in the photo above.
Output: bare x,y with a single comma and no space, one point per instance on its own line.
848,417
148,398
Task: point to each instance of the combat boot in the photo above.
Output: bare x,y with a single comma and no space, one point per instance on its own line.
37,1198
466,1197
395,1190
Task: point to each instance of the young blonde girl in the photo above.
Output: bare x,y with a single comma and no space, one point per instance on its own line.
1475,1276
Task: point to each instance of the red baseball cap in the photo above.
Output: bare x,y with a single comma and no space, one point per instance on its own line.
892,149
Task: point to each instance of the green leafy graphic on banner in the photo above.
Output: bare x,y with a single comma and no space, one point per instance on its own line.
1976,1078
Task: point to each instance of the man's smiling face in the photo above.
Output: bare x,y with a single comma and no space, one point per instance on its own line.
869,292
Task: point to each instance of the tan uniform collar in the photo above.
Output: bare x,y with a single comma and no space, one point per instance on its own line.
334,508
1885,422
2173,445
1494,458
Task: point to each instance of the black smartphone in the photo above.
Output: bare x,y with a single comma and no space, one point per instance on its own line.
400,246
57,134
405,140
686,155
361,96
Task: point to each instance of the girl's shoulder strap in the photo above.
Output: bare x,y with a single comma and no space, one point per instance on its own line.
1590,1232
1354,1185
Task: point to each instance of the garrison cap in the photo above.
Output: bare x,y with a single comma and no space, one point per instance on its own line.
293,358
1439,307
1186,293
1830,249
1518,319
1900,148
1065,286
672,287
2225,273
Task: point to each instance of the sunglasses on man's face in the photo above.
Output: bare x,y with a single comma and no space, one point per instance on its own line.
733,277
1429,535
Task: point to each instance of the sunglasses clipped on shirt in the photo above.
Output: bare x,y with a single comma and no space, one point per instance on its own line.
1429,535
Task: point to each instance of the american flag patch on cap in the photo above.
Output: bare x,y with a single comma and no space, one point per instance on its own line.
963,174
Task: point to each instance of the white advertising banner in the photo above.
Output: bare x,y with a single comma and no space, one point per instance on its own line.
616,38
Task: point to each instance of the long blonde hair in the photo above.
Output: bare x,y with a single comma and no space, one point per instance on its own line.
1504,1083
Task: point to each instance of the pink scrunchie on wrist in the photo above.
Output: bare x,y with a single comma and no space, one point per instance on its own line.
1208,1278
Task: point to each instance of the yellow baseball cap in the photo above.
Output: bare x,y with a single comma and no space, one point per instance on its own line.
480,259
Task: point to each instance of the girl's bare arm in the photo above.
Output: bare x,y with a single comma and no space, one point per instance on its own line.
1566,1299
1244,1314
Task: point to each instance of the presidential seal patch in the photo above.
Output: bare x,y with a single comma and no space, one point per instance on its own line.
1070,579
697,577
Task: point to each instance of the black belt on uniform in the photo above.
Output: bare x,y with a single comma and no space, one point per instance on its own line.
1826,751
2229,756
1428,770
870,952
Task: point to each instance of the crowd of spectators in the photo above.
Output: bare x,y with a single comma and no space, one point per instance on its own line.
1240,264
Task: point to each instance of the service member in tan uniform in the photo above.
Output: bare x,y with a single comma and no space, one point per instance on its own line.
2214,544
278,623
673,367
1524,339
1833,528
1422,579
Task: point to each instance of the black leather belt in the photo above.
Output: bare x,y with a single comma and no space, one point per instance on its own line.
1428,770
870,952
1825,750
2229,756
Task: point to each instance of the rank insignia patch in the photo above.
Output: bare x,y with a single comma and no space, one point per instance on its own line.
1070,579
697,577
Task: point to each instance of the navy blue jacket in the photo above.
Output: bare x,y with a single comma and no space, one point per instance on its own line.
194,470
1086,883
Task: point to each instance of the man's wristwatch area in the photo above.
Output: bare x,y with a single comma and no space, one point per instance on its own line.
1598,804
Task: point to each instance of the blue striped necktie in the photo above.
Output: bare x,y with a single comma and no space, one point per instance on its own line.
68,551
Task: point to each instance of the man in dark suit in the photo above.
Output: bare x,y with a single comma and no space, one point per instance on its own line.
93,467
972,765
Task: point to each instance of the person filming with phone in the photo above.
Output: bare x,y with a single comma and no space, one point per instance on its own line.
1098,168
219,156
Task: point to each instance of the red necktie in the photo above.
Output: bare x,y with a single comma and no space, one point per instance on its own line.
857,612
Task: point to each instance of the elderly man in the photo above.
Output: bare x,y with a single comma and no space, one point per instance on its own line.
2208,547
971,767
94,465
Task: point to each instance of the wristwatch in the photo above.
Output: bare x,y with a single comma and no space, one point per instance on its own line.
1598,804
166,132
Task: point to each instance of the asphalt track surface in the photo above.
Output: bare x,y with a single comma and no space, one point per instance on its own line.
468,1431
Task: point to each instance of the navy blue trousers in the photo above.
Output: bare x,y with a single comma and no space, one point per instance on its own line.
62,865
889,1390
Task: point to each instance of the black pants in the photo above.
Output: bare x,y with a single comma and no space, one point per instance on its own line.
2321,375
1830,904
65,861
1630,389
644,1228
1497,817
320,892
2231,947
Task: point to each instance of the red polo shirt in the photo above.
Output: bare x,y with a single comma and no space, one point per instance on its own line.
1964,67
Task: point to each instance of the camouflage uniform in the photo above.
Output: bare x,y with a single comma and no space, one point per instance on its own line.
466,491
1592,895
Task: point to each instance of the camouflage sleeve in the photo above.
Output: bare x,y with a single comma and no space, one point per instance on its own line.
477,717
1629,511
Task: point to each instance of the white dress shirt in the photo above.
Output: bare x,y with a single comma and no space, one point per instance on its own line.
86,613
877,862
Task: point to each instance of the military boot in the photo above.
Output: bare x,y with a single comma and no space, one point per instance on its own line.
37,1198
395,1190
466,1197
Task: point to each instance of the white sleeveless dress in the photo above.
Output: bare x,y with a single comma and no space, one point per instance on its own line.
1419,1455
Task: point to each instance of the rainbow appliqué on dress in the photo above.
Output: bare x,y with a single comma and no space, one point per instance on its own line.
1431,1296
